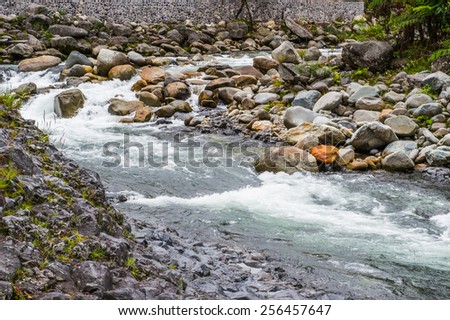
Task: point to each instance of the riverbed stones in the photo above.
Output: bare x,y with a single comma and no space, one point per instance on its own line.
306,99
371,136
286,159
209,99
363,91
142,114
177,90
122,72
265,98
295,116
122,108
345,156
39,63
328,102
262,125
405,146
438,157
327,135
365,116
152,75
418,99
149,99
107,59
264,64
68,103
374,55
370,103
136,58
394,97
397,161
220,83
286,53
325,154
402,126
428,110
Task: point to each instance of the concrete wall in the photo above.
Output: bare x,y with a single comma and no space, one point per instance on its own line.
195,10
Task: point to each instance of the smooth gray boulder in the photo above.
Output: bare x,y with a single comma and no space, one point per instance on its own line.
76,57
403,126
374,55
404,146
364,91
328,101
295,116
371,136
286,53
298,30
436,81
306,99
397,161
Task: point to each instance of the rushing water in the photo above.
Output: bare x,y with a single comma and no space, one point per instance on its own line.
351,235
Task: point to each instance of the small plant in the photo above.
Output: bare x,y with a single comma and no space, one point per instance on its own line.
426,89
130,263
278,83
98,253
360,74
7,175
424,121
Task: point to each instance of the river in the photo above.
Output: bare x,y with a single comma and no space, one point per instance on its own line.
360,236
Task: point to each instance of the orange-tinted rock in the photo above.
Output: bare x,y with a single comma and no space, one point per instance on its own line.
153,75
122,72
143,115
139,85
325,154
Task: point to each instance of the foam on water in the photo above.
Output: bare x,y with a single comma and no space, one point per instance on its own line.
332,208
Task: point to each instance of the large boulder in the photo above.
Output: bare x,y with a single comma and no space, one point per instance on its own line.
404,146
67,103
21,50
122,72
436,81
374,55
39,63
265,97
418,99
370,103
298,30
65,44
107,59
264,64
428,110
373,135
329,101
286,159
152,75
295,116
365,116
286,53
220,83
177,90
397,161
122,108
306,99
402,126
363,92
149,99
67,31
438,157
237,29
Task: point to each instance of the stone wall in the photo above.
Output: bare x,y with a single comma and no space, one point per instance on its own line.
195,10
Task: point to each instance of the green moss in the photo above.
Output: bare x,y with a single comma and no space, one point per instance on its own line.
360,74
424,121
98,254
